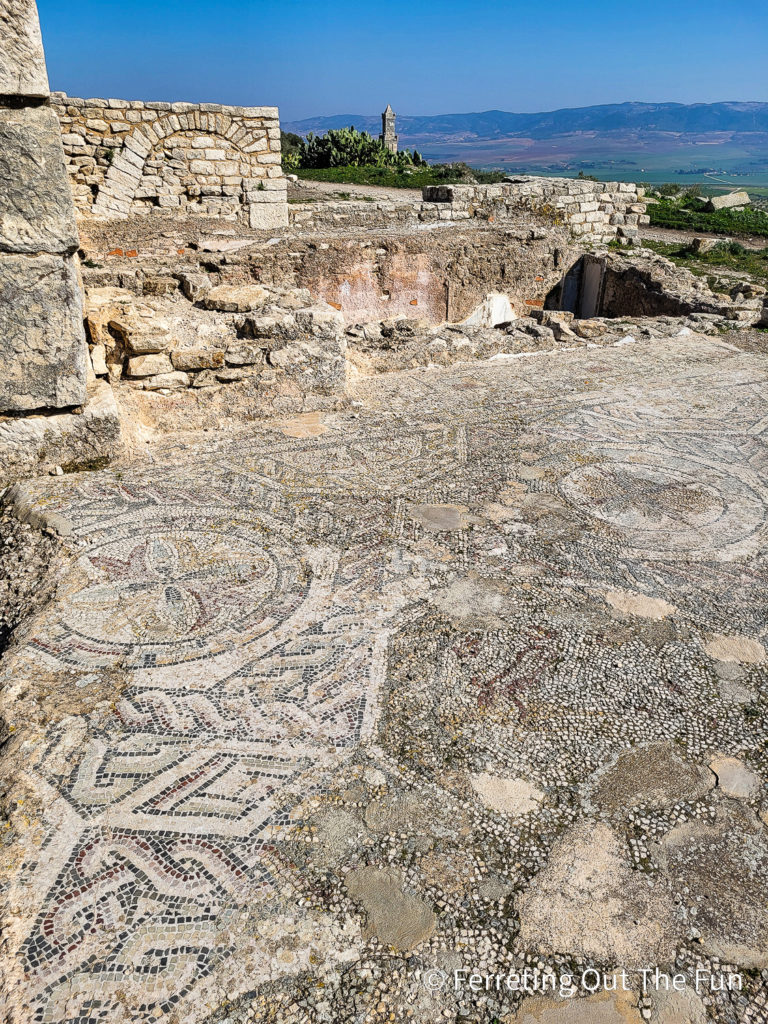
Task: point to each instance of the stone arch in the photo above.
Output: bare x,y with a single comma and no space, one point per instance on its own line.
116,195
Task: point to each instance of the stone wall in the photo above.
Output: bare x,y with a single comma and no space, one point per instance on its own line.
129,157
600,211
42,342
317,217
430,275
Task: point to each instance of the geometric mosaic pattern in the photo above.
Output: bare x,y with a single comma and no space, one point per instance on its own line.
244,592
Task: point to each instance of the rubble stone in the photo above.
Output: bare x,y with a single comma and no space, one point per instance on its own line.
197,358
235,298
732,201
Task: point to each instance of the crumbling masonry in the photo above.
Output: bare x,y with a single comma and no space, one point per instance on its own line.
418,628
132,157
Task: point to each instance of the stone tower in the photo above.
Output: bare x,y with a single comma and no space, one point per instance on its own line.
388,136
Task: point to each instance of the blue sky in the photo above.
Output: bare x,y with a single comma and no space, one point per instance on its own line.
354,56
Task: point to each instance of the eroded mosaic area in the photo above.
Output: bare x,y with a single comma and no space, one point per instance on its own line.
470,677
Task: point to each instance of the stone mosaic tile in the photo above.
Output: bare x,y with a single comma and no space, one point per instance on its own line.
424,585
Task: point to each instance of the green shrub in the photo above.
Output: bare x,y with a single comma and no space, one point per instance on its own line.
290,145
347,147
751,263
688,215
407,177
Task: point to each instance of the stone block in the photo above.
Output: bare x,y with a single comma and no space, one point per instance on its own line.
138,143
320,322
31,444
143,341
22,61
270,112
257,146
36,212
160,284
99,360
43,353
197,358
732,201
172,381
149,365
265,196
194,286
268,216
244,355
243,298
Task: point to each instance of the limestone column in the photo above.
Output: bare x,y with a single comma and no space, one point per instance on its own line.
42,342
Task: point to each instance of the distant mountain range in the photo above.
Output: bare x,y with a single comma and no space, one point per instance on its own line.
692,118
617,141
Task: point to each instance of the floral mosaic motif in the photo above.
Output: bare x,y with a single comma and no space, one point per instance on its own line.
245,594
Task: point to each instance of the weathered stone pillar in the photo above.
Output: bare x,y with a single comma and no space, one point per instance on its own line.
42,342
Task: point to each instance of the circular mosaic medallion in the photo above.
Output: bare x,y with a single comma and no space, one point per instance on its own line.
173,591
673,510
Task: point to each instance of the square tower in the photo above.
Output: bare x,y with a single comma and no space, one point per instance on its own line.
388,136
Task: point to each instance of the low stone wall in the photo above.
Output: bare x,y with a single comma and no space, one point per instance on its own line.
601,211
321,216
130,157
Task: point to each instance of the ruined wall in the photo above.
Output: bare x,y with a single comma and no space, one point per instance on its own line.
610,285
599,211
42,342
356,214
129,157
430,275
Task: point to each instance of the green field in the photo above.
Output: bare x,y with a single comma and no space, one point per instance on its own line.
656,158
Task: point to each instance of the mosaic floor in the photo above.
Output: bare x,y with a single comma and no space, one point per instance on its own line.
277,662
